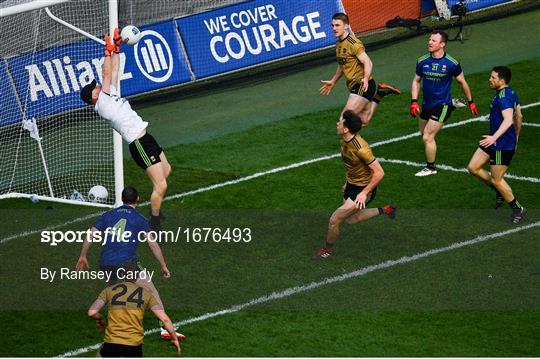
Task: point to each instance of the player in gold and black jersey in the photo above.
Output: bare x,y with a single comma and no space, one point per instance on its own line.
363,173
124,332
356,66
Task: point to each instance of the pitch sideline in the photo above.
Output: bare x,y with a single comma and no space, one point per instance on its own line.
330,280
253,176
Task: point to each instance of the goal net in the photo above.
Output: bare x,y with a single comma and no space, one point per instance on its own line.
52,145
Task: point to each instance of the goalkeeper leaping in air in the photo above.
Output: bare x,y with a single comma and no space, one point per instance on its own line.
117,111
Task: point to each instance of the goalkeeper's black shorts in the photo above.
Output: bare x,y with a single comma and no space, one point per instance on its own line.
145,151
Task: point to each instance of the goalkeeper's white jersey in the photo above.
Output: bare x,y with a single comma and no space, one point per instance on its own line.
118,112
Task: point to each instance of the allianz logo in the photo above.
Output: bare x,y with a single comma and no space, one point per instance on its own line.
153,56
59,76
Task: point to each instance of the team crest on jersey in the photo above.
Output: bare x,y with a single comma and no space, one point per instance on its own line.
443,69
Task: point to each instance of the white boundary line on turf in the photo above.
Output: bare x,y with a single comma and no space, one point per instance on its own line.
256,175
532,124
453,169
330,280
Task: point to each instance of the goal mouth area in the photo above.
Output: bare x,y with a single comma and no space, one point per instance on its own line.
53,147
33,197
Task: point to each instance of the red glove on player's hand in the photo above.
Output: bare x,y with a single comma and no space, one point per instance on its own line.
472,107
109,47
117,40
415,108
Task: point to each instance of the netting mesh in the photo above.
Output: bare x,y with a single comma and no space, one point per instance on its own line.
41,80
42,70
43,66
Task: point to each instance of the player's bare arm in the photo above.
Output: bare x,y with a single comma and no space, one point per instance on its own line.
93,312
518,121
415,91
82,263
378,174
159,312
467,92
115,58
158,254
109,69
106,68
508,120
368,68
329,84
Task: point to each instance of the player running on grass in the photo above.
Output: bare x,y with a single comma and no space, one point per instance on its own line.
499,146
435,72
144,149
120,250
355,64
124,331
363,173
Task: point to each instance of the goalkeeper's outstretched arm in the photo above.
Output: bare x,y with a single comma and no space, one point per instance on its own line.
115,65
115,58
106,68
111,62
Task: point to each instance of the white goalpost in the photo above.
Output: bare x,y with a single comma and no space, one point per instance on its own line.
53,146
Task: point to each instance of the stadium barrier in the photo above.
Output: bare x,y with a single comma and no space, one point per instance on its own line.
368,16
191,48
247,34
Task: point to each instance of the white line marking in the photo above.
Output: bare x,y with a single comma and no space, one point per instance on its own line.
532,124
453,169
339,278
50,228
260,174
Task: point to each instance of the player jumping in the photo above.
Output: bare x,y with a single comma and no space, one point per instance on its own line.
355,64
144,149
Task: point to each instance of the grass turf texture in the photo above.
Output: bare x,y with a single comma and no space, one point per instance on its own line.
444,305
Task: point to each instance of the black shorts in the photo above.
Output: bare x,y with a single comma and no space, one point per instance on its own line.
131,267
369,93
498,157
351,191
438,113
109,350
145,151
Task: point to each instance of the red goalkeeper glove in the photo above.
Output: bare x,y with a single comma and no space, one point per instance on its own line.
415,108
109,47
472,107
117,40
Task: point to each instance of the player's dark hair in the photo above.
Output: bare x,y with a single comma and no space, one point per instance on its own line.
130,195
352,121
504,73
444,35
341,16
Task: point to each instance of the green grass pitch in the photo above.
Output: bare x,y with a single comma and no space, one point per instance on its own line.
481,299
